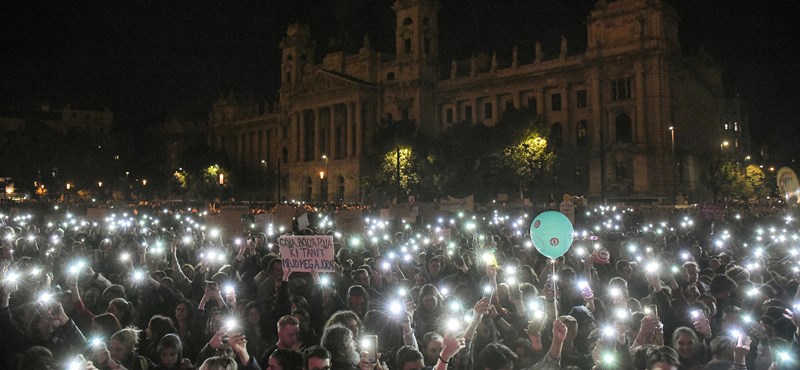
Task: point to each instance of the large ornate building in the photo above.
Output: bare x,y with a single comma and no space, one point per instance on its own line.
641,119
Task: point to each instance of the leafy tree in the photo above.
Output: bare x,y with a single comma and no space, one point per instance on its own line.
756,181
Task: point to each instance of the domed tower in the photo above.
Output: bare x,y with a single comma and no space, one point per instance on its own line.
298,50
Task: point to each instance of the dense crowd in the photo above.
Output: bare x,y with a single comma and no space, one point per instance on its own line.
645,288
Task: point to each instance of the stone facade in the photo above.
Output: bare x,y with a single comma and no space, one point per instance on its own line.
637,117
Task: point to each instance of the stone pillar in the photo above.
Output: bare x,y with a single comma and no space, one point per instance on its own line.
540,101
569,139
332,136
641,114
301,128
359,126
349,108
317,130
596,129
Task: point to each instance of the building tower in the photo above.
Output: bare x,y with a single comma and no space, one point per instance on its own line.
417,55
298,51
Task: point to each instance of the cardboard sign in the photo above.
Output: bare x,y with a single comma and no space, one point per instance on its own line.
788,183
96,213
307,253
457,204
283,216
713,211
349,220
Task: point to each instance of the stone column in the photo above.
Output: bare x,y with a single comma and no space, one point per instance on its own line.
641,114
565,110
332,136
359,126
301,128
349,113
317,130
540,101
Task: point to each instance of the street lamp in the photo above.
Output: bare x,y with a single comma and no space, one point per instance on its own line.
674,162
323,181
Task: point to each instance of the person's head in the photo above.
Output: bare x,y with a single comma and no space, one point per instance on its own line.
122,345
691,271
361,277
277,268
434,266
183,311
662,358
429,298
722,348
38,358
170,350
408,358
619,285
339,340
219,363
497,357
584,319
432,344
105,325
316,358
288,331
358,300
624,269
349,320
285,359
721,288
158,327
121,309
685,342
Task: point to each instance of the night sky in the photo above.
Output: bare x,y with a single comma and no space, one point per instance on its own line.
149,61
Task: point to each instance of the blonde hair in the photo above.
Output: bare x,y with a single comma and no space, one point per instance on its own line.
219,363
129,337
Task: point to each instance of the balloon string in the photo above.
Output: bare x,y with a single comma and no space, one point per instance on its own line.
555,293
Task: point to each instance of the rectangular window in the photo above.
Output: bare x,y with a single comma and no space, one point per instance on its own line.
406,115
427,45
487,111
621,89
509,105
555,102
532,105
580,99
449,115
407,45
389,119
468,113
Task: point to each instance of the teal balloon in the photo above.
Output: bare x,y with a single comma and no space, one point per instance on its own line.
552,234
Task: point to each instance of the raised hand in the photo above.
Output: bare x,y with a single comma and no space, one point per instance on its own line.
559,331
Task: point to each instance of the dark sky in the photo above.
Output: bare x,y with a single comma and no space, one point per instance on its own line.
156,59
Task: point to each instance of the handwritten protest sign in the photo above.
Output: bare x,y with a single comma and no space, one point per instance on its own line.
307,253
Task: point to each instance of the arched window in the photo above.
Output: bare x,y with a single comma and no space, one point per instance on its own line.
339,189
555,138
408,21
307,189
624,129
582,134
390,76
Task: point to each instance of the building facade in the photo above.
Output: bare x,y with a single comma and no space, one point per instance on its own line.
637,118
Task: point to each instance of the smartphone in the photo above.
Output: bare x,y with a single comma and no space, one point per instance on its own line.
488,292
651,310
369,344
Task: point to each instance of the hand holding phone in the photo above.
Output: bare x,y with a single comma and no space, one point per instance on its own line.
369,347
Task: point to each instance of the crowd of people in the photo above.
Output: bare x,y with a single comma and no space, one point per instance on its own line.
655,288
